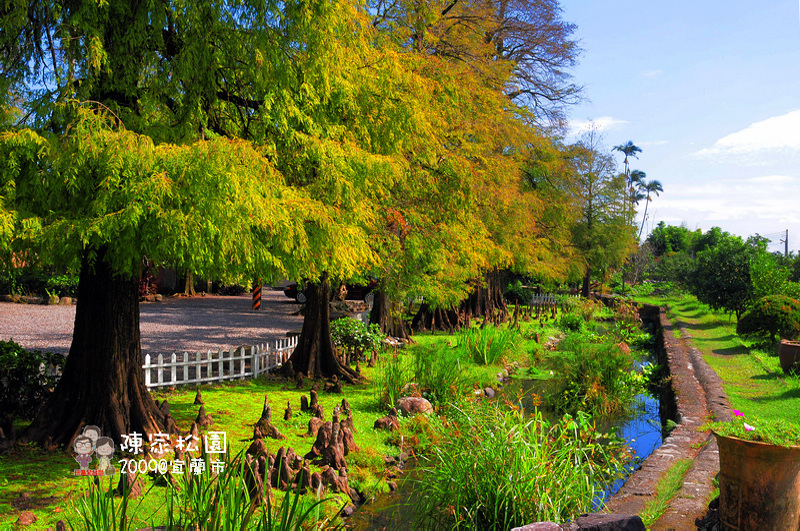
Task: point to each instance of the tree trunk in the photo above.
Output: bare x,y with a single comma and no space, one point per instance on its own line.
433,319
103,382
486,300
315,355
385,314
189,287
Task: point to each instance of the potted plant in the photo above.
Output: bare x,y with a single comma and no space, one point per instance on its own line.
759,480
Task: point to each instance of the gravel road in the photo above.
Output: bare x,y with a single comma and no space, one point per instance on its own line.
176,324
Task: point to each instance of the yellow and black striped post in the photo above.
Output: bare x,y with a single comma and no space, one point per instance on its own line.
256,295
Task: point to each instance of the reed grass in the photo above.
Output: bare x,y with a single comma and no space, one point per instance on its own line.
499,469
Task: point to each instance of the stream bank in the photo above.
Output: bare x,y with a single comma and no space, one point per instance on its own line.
696,394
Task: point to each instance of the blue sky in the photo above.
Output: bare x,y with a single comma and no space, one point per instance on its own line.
711,93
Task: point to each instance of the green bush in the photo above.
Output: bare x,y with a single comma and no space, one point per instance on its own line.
62,285
770,318
355,337
571,322
26,378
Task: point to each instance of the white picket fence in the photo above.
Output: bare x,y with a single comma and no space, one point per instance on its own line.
197,367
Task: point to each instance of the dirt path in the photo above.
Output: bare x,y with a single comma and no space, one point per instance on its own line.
176,324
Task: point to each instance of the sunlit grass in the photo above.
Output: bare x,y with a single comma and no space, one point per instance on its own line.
751,377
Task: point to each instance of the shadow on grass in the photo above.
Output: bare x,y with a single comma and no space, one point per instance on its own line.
786,395
730,351
701,326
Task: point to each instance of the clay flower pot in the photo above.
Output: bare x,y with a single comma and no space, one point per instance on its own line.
759,484
789,353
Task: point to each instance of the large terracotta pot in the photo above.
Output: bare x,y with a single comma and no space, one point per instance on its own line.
789,353
759,485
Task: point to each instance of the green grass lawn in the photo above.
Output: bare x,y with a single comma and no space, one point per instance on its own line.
752,377
45,478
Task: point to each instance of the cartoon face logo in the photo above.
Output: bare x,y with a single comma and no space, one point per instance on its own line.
84,447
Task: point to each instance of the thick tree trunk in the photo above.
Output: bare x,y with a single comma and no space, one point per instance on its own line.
433,319
315,355
486,300
103,382
388,316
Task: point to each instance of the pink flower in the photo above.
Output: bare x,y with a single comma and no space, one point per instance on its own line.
738,413
748,427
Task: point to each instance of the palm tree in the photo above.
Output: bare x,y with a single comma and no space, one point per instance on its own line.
651,187
629,149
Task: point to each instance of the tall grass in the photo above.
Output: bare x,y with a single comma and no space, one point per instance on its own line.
391,376
439,373
499,469
488,346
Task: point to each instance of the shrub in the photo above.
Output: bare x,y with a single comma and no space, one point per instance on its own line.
62,285
571,322
771,317
487,346
26,378
587,309
525,470
355,337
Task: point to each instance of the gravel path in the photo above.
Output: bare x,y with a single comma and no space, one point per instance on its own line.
174,325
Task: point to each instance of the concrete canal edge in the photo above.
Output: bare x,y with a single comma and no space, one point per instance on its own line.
695,395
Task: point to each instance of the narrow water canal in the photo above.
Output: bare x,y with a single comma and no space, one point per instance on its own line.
642,429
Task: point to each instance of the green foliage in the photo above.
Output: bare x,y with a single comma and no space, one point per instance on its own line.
517,294
571,322
392,375
667,487
767,277
668,239
592,377
439,373
672,267
587,309
210,500
63,285
355,336
770,318
26,378
778,432
721,275
488,346
526,469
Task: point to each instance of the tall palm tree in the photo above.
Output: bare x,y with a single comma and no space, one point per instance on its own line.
629,149
651,187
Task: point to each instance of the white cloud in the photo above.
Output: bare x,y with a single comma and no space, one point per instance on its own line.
603,123
771,198
652,73
776,133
